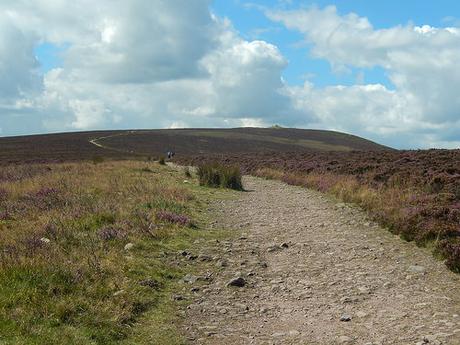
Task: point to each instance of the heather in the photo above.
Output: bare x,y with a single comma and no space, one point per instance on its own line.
416,194
84,251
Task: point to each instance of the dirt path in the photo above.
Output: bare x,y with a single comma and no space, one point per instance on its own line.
341,280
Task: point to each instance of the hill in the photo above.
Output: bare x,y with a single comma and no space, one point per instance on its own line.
126,144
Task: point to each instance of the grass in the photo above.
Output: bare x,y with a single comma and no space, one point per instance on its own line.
219,175
66,272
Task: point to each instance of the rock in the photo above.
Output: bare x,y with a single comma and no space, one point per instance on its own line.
345,318
119,292
278,335
178,297
237,282
417,269
361,314
151,283
345,340
45,240
203,257
195,289
129,246
284,245
222,263
189,279
273,248
242,306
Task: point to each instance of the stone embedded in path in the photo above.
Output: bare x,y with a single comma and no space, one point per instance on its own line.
345,340
417,269
345,318
237,282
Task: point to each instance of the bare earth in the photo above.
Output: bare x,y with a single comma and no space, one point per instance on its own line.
341,280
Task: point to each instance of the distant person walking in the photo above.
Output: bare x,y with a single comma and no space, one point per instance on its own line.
170,154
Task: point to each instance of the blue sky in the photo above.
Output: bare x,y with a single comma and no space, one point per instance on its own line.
248,18
384,70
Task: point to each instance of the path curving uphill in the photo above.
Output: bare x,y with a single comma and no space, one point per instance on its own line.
317,272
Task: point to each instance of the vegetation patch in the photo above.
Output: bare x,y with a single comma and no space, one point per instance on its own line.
87,252
416,194
220,175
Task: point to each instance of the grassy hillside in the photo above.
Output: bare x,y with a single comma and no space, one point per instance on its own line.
90,253
185,142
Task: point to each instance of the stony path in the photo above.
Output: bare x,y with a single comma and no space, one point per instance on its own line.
317,272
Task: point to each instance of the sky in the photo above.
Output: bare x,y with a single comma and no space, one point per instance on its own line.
386,71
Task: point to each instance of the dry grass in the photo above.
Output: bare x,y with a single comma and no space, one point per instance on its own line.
65,275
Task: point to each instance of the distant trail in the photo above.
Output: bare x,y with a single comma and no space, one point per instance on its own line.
96,142
337,265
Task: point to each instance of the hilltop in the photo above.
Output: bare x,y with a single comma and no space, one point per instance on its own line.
130,143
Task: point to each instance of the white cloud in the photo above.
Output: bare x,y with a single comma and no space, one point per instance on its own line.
144,64
420,61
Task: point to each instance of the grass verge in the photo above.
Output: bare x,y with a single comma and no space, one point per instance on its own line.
88,252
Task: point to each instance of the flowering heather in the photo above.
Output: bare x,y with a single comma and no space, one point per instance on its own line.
60,250
3,194
110,233
174,218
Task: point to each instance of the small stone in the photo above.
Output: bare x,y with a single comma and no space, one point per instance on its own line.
345,340
178,297
284,245
151,283
129,246
203,257
189,279
119,292
274,248
278,335
45,240
237,282
361,314
416,269
345,318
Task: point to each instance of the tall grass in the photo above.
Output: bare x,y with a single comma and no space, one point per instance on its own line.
65,275
219,175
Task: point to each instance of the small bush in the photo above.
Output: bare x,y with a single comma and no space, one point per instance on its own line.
217,175
97,160
174,218
162,160
187,172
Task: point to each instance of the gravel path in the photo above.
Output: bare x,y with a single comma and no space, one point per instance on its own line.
316,272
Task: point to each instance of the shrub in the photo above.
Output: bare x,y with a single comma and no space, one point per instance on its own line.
217,175
97,159
187,172
162,160
173,218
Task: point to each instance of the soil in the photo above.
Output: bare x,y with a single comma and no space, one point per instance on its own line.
314,271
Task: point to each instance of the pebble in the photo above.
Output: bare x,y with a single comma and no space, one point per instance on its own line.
416,269
345,318
129,246
237,282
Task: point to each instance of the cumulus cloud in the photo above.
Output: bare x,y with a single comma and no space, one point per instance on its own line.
421,63
145,64
168,64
